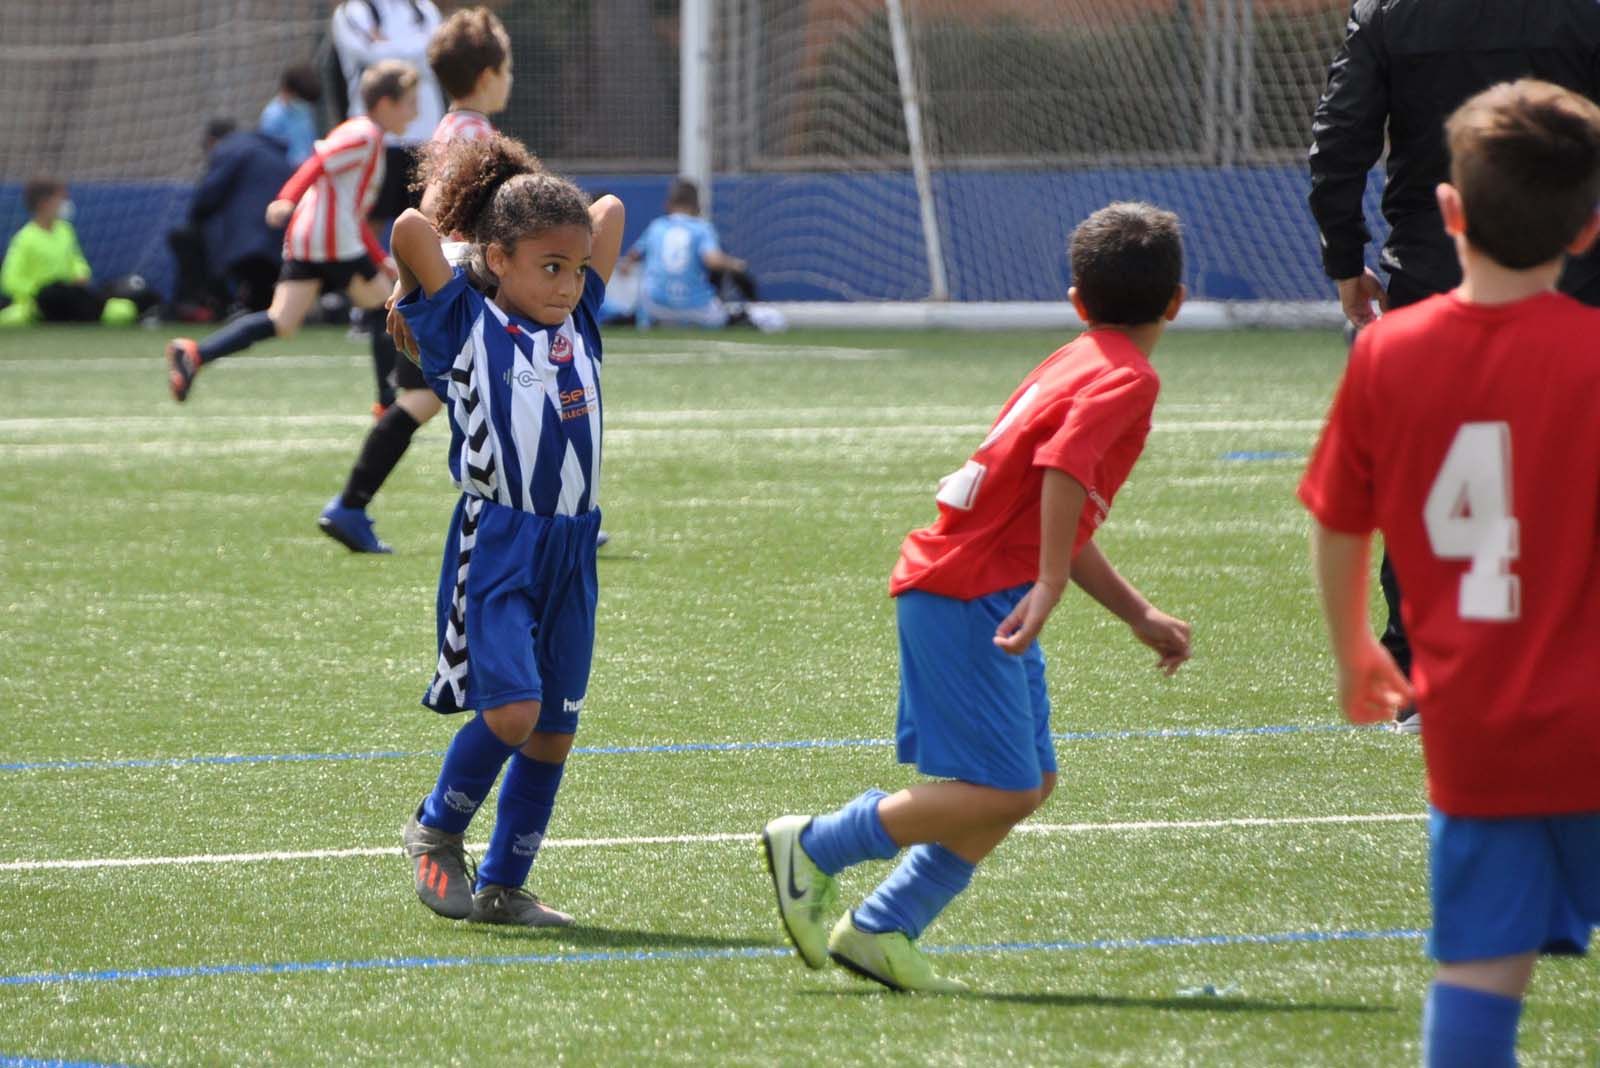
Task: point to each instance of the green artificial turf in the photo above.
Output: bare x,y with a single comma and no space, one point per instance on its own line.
169,603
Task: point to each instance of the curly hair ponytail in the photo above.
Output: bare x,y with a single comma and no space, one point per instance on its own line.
494,191
467,173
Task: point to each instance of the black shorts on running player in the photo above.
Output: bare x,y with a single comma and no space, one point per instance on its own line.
335,275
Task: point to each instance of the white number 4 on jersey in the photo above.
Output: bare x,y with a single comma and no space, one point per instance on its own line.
1468,516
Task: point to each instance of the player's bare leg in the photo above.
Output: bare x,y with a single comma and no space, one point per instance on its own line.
1506,976
369,293
967,819
291,303
1473,1009
420,404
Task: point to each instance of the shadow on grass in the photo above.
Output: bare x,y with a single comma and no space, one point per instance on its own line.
595,938
620,558
1114,1001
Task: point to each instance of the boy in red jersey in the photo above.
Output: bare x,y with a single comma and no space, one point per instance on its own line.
1489,395
972,593
328,244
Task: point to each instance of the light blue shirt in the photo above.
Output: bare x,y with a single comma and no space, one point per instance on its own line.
675,274
293,123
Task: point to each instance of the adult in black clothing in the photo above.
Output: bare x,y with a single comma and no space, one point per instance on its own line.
227,255
1405,65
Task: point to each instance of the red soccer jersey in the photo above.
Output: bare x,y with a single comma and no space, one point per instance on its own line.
1085,411
334,190
462,124
1470,435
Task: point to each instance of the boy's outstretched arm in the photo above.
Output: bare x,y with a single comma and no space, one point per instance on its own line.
1166,634
607,215
1371,687
1060,504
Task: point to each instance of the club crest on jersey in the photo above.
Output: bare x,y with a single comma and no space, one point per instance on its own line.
560,349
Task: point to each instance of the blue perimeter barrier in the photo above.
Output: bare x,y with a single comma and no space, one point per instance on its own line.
1248,232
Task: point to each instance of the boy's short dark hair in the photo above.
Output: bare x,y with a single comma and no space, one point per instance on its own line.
470,42
387,79
684,194
1127,262
1525,157
302,81
38,190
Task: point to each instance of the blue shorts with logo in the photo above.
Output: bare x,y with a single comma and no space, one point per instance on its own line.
527,597
968,710
1502,887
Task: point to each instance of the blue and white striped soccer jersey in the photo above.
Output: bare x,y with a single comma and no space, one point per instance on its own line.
519,560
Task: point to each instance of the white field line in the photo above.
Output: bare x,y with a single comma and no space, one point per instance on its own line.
689,352
953,417
694,839
715,436
151,365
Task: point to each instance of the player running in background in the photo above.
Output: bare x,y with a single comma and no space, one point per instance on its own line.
972,593
1465,430
471,57
328,244
517,592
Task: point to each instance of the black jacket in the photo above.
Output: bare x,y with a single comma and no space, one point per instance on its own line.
1406,65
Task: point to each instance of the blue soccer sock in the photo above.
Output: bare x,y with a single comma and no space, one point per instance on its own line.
237,335
471,765
1464,1028
852,834
916,891
527,798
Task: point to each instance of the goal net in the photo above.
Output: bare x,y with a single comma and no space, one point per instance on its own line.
943,169
1032,114
114,98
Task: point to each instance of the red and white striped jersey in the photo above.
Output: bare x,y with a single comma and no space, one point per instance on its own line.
334,190
462,124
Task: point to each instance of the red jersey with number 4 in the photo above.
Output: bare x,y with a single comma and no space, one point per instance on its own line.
1085,411
1470,435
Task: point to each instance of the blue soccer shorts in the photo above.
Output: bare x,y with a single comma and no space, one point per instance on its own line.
516,622
968,710
1503,887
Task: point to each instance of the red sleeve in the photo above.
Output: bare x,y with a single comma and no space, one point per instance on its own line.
1096,418
370,240
302,179
349,145
1337,488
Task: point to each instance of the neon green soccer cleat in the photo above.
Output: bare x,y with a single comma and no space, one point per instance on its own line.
806,894
889,958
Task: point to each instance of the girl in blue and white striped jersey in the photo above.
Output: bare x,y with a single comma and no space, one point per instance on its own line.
520,376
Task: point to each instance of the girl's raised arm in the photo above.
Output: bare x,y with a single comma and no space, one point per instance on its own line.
607,214
417,253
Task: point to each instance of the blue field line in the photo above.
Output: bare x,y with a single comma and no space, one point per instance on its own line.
620,956
1155,734
1250,455
34,1062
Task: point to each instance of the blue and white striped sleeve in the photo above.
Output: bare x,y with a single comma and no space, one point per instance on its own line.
442,325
